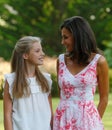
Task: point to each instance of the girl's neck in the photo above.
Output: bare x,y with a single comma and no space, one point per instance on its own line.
30,70
30,75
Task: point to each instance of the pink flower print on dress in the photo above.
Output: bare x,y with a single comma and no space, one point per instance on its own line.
68,89
73,121
60,113
83,82
71,125
89,107
61,64
90,76
93,90
61,73
82,93
61,70
67,126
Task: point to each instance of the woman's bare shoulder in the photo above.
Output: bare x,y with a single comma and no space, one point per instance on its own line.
102,60
102,64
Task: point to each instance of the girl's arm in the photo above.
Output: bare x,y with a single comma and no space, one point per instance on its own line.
50,102
103,85
7,105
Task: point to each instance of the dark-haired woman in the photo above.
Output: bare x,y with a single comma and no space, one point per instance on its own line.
80,70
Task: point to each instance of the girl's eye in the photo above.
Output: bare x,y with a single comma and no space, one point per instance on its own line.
37,50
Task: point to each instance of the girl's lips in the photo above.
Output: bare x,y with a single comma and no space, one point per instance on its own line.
41,59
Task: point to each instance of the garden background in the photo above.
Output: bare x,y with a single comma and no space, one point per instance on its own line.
42,18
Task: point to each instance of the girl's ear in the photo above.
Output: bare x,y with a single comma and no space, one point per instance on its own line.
25,56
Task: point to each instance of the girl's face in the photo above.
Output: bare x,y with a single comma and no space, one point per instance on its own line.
36,54
67,39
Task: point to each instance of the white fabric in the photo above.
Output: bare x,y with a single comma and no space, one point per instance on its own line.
33,112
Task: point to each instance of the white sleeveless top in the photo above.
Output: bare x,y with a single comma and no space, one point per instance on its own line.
33,112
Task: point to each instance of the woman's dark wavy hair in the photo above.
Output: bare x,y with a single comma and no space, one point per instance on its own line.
84,39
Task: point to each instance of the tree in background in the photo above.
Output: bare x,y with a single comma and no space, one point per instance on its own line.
43,18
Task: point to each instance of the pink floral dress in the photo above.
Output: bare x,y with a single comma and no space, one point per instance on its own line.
76,110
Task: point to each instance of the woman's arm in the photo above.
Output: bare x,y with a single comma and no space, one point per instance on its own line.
103,85
7,104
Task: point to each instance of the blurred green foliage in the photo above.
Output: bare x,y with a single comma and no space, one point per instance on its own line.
110,80
43,18
55,89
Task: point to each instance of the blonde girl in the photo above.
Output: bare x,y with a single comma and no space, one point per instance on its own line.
27,98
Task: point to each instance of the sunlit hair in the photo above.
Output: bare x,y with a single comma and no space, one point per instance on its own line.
84,39
21,88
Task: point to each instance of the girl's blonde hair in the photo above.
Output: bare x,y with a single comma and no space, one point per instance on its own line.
20,85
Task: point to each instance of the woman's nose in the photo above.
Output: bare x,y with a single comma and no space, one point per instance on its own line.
62,41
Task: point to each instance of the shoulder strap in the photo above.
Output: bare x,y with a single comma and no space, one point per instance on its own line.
61,57
97,56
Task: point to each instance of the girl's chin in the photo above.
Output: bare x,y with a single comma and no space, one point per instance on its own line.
40,64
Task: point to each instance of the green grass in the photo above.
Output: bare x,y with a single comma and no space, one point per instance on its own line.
1,115
107,118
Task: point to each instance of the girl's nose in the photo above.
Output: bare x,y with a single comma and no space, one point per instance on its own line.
43,53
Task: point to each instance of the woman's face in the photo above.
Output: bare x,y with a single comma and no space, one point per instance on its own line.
67,39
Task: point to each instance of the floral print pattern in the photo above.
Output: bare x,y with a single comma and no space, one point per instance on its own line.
76,110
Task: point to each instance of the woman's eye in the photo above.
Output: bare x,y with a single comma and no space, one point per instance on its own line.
64,37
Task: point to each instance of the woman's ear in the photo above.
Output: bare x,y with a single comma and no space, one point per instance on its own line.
25,56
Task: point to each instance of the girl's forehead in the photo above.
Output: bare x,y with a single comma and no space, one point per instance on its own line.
36,45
